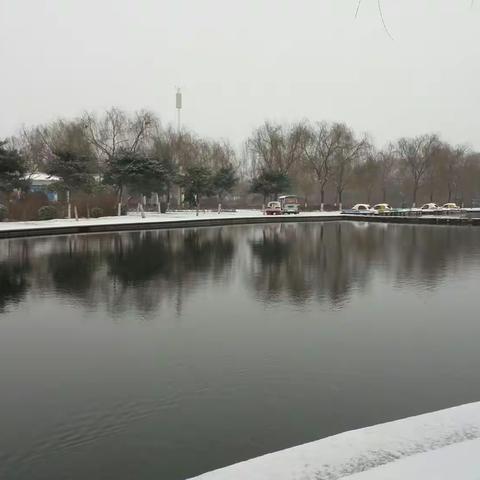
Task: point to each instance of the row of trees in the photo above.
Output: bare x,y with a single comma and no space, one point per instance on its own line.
126,155
329,159
327,163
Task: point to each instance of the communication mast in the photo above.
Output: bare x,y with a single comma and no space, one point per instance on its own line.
178,104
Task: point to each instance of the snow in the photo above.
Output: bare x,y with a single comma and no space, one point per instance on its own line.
457,461
42,177
443,444
149,218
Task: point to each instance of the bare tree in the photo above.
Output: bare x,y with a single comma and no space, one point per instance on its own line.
416,153
345,158
367,173
278,148
387,160
450,165
30,142
321,143
115,131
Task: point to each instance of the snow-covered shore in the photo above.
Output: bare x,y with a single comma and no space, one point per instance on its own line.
149,218
433,446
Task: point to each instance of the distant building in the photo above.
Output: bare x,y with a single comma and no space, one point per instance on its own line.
40,183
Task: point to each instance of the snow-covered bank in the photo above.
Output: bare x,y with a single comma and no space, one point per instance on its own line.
454,462
403,449
150,218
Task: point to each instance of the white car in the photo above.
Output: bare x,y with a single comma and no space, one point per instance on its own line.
450,206
362,207
382,208
430,207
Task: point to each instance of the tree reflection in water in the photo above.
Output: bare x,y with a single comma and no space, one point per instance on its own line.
324,262
13,282
108,269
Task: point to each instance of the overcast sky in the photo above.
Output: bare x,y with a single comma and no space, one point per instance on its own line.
242,62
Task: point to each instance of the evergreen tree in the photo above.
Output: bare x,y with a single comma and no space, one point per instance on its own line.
270,183
13,169
197,180
137,172
224,180
75,171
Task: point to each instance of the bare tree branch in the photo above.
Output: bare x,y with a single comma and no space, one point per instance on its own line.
380,11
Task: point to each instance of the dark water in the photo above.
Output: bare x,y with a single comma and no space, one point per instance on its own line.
162,355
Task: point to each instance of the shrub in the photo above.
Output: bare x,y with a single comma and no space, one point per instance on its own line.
48,212
3,212
96,212
26,208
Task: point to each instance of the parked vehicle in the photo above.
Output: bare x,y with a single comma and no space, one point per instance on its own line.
382,208
291,208
430,207
289,204
450,206
273,208
360,209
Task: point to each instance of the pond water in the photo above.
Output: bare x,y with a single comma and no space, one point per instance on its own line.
165,354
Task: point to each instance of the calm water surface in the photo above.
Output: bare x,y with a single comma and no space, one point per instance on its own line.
164,354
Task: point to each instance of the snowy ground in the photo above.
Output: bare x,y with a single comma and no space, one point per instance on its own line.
435,446
150,218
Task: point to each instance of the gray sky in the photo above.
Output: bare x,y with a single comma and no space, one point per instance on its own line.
242,62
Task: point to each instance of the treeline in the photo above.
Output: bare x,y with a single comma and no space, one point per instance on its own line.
330,164
132,156
122,156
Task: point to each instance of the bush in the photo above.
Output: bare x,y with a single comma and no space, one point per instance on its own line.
48,212
3,212
96,212
106,201
26,208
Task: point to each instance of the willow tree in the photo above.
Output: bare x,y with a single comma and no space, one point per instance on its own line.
416,156
345,159
278,148
321,142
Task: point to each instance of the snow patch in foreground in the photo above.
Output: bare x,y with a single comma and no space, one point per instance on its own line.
455,462
382,452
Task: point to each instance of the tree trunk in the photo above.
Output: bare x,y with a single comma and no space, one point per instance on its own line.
322,198
415,188
69,206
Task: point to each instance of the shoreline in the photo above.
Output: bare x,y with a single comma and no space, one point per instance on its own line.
205,219
153,222
387,450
